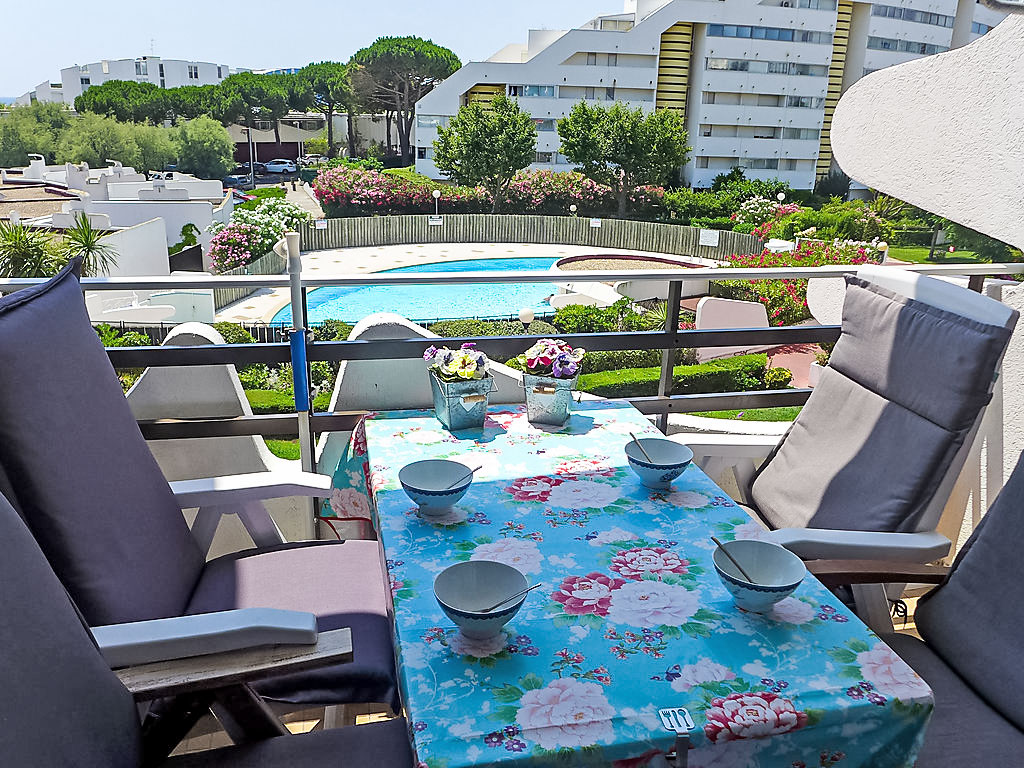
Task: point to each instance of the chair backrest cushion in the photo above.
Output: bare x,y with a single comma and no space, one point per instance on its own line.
61,704
904,386
975,620
84,479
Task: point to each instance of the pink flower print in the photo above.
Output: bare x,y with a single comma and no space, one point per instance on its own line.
533,488
651,604
566,713
640,561
891,674
704,670
587,594
519,553
751,716
395,585
359,439
573,468
348,502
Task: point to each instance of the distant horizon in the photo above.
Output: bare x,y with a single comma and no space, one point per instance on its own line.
77,34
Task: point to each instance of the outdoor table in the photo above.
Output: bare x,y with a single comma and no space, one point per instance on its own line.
631,619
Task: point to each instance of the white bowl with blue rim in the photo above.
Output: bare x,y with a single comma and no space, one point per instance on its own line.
464,590
665,460
775,573
435,485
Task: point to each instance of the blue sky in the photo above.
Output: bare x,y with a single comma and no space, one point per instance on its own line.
259,33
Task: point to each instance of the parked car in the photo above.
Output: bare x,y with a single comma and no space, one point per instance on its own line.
307,160
281,166
243,169
237,182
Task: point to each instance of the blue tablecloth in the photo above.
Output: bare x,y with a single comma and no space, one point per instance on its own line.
631,618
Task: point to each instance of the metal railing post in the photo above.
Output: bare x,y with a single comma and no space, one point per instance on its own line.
668,356
300,369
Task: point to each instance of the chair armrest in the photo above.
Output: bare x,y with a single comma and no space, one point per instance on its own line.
827,544
833,573
230,490
223,670
731,446
146,642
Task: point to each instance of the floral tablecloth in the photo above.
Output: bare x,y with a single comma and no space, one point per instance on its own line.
631,618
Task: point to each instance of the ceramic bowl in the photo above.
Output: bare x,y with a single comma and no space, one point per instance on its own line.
669,460
463,589
426,483
776,571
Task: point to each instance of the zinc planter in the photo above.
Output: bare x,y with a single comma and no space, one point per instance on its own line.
461,404
548,398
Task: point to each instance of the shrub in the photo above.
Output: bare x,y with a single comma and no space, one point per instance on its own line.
721,222
579,319
264,401
254,376
734,374
457,328
332,330
260,194
777,378
233,333
235,246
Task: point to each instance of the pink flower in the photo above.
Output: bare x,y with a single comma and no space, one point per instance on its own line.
395,585
793,611
576,467
587,594
582,494
533,488
651,604
566,713
640,561
890,673
702,671
348,502
519,553
751,716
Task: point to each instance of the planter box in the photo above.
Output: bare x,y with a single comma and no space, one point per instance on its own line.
548,399
814,374
461,404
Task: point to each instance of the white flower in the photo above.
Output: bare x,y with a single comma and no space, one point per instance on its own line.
890,674
688,499
751,530
348,502
566,713
704,670
793,611
519,553
461,645
612,535
582,494
651,604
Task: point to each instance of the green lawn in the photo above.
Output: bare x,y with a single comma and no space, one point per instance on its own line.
784,413
919,254
284,449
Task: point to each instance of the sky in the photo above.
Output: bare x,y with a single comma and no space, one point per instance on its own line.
260,33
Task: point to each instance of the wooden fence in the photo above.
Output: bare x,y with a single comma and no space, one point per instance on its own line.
267,264
487,228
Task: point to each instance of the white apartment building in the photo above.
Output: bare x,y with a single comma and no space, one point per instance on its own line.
756,80
166,73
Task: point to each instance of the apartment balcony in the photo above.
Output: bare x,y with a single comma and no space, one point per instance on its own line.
743,114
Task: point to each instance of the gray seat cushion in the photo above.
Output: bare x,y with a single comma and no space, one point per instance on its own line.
343,583
82,476
61,704
384,744
964,729
904,386
975,620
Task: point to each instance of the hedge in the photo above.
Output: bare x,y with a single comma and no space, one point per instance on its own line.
734,374
264,401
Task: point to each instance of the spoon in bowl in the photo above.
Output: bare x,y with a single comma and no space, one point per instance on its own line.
508,599
733,560
641,447
471,473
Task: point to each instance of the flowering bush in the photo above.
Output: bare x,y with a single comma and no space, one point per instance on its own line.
755,210
235,246
552,357
786,300
262,228
463,364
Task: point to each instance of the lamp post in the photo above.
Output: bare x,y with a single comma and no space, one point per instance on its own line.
437,196
526,317
780,197
573,209
883,250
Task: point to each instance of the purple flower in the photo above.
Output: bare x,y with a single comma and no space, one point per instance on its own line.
522,639
419,725
468,345
515,745
854,692
877,699
530,650
429,352
493,739
511,730
564,366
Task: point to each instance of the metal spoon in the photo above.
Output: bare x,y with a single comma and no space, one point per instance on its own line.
641,447
471,472
733,560
508,599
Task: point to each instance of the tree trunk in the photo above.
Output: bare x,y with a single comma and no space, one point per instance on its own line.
329,114
388,117
404,126
277,134
622,195
351,134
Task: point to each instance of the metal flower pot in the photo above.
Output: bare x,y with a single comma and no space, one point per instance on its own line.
548,398
461,404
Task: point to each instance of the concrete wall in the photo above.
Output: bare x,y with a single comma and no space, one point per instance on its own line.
175,215
196,189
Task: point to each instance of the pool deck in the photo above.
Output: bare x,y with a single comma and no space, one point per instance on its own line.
265,303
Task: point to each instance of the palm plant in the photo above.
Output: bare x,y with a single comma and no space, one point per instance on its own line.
83,240
26,251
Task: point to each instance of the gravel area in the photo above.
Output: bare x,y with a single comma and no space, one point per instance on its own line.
620,264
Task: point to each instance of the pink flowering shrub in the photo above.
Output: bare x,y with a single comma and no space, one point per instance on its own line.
786,300
235,246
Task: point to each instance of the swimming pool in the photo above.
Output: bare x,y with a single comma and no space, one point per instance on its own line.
430,302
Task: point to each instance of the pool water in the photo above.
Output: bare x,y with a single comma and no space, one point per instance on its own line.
434,302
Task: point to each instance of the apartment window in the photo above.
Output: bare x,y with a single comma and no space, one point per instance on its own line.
768,33
421,153
813,70
539,91
515,90
591,59
141,68
778,68
909,14
542,157
766,67
759,163
702,162
788,165
220,73
765,132
544,124
431,121
705,130
707,97
86,82
193,72
588,92
980,29
161,68
800,133
904,46
806,102
609,93
769,100
814,5
616,25
613,58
